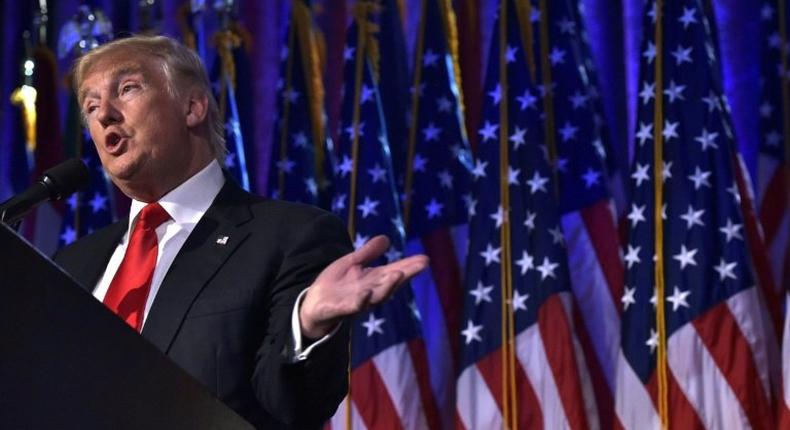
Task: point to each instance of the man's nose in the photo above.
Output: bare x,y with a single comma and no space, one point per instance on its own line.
108,114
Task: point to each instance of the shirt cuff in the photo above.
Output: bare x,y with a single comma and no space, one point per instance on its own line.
296,331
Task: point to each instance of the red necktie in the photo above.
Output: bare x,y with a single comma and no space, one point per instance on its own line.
129,288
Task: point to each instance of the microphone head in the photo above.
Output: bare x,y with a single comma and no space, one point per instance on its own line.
66,178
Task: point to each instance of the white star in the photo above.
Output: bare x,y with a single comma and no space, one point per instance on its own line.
482,293
653,341
632,256
666,171
529,222
472,332
230,160
732,230
491,254
479,171
339,203
445,179
688,17
556,235
670,130
496,94
445,105
628,298
637,214
526,262
700,178
682,55
367,94
519,301
640,174
675,91
498,216
393,255
647,93
546,269
488,132
359,130
518,137
725,269
591,177
291,95
712,100
346,166
557,56
359,240
285,165
567,26
311,186
685,257
377,173
420,89
537,183
300,139
348,53
434,209
429,58
431,132
693,217
373,325
419,163
368,207
736,194
512,175
767,12
471,204
577,100
773,138
568,131
527,100
645,132
98,203
510,54
650,52
68,236
708,140
678,299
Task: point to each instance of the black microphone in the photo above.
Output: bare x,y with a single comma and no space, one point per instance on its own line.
54,184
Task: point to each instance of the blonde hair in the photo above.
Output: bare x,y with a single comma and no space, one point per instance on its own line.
183,70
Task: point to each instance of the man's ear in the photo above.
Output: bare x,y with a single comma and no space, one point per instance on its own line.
197,109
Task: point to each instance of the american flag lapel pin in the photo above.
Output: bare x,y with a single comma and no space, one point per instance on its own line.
222,240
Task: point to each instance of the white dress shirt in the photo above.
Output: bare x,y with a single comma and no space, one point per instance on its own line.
186,205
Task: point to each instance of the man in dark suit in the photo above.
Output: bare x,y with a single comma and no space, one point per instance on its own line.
247,295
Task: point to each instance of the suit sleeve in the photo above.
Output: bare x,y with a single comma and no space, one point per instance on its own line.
305,393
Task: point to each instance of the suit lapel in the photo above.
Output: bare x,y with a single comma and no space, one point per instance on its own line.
100,250
213,240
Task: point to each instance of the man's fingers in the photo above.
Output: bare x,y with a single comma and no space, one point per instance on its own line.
410,266
371,250
386,286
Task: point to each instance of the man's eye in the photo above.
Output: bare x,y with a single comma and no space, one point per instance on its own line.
126,88
90,109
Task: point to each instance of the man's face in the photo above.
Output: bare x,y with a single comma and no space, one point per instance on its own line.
140,130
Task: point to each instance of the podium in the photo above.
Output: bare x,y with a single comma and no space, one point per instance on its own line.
68,362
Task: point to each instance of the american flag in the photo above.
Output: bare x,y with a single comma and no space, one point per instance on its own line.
717,348
438,183
298,157
232,79
772,173
525,370
586,204
389,372
91,209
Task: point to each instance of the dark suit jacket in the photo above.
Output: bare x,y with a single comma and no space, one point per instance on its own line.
223,311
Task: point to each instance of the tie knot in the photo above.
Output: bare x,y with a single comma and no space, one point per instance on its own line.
152,216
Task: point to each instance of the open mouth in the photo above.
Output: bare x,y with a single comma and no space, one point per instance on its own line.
113,142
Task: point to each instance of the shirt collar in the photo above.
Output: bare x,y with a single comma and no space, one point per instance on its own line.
187,202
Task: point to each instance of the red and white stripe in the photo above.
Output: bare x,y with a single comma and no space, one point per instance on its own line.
774,212
390,391
554,386
720,372
596,272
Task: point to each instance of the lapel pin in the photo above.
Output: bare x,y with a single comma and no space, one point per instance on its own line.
222,240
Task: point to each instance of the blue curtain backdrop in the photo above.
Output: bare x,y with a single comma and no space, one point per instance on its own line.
613,27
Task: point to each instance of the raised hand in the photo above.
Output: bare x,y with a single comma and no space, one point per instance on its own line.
347,286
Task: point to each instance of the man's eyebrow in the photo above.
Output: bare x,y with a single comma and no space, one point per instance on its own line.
117,74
